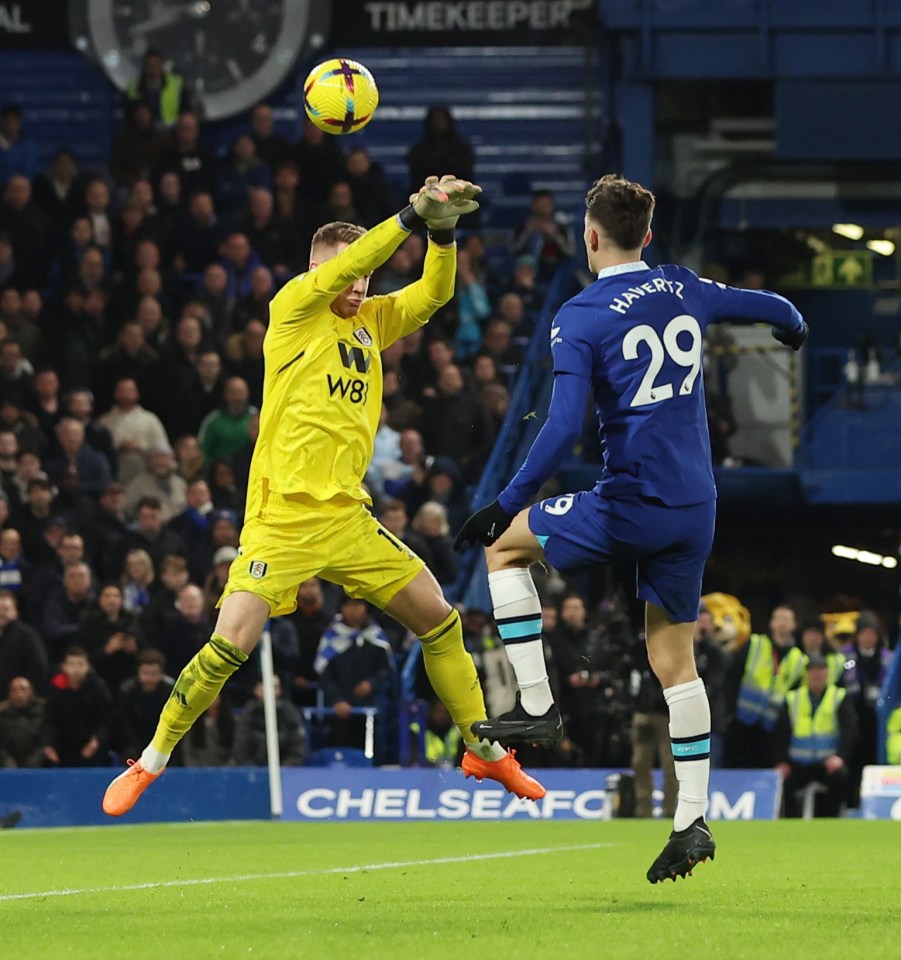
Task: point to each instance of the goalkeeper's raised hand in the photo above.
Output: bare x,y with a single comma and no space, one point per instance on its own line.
442,202
484,526
791,338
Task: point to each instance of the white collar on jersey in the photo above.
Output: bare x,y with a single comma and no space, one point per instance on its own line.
633,267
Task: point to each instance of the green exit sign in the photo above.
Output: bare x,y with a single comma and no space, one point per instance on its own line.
845,268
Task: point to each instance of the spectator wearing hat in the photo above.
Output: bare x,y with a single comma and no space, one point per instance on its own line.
22,651
91,468
149,533
22,719
224,529
815,737
867,662
111,636
134,430
193,526
158,479
224,432
215,581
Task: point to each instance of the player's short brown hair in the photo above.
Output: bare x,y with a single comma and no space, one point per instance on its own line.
622,209
338,231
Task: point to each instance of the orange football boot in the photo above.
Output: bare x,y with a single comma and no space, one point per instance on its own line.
125,791
507,771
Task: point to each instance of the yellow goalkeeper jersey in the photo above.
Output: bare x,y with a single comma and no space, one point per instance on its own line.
322,392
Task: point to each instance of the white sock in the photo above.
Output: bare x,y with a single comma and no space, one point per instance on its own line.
689,730
153,761
517,611
486,749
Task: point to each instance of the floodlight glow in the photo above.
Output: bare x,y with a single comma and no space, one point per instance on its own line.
884,248
864,556
850,231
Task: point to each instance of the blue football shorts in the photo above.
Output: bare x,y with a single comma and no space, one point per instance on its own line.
670,545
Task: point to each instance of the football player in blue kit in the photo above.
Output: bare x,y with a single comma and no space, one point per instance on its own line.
633,339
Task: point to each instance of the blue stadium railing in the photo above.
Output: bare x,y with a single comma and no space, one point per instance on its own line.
518,428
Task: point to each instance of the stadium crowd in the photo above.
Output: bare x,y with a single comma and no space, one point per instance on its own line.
133,307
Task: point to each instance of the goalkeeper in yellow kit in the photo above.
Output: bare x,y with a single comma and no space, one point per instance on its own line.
306,511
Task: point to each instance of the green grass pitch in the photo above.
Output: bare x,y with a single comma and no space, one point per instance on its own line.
568,890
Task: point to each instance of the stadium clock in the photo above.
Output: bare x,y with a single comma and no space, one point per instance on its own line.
232,53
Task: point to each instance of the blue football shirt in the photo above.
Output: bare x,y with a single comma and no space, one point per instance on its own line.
634,339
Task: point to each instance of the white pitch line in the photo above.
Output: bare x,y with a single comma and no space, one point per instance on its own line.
288,875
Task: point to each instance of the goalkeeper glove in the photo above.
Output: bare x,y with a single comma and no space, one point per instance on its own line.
791,338
485,526
442,202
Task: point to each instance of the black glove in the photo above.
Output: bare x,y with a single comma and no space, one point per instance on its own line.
791,338
484,526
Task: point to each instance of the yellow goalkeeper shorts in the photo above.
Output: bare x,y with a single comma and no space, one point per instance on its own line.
295,538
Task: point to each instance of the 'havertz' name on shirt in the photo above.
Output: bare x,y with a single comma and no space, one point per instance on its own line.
622,303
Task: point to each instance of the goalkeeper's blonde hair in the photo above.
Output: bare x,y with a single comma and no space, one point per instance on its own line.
338,231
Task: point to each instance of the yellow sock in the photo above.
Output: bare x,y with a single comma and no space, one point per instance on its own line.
196,688
453,674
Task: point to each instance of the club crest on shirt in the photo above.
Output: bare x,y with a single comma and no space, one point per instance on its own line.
363,335
258,569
